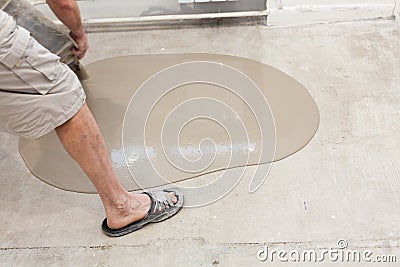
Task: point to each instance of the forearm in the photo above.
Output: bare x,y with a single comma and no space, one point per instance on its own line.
67,12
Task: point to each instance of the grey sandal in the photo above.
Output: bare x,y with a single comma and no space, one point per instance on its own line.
161,208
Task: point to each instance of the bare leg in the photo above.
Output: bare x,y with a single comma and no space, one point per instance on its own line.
82,139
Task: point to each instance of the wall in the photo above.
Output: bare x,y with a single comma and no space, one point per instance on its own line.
306,12
92,9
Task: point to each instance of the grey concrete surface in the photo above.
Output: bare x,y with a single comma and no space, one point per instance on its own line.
344,185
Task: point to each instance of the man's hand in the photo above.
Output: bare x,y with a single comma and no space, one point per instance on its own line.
68,12
82,43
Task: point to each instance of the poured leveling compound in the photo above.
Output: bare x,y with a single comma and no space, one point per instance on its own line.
168,118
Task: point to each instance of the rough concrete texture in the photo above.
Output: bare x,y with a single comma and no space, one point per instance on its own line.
344,185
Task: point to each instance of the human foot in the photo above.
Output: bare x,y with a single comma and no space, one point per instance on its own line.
132,210
141,209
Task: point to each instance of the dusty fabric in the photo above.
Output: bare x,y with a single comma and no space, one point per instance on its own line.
37,91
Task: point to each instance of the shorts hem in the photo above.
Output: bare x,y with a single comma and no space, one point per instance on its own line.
71,112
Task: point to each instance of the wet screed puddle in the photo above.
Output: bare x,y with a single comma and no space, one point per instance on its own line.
168,118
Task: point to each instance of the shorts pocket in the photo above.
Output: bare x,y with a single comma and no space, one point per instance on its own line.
34,64
42,60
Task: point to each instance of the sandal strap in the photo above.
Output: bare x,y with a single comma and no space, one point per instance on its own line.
159,199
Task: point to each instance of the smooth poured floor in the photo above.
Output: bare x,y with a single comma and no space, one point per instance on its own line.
226,123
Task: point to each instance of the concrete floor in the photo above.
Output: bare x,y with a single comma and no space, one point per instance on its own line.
344,185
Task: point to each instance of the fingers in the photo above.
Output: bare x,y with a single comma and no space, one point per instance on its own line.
79,53
82,45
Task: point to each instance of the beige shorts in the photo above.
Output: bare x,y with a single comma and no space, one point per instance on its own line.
37,92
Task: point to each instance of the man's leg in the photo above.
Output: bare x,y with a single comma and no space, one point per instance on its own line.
34,101
82,139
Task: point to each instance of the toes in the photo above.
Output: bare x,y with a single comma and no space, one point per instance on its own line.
173,197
